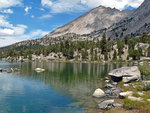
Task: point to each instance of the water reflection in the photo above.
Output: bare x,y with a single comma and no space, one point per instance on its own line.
70,78
59,86
73,79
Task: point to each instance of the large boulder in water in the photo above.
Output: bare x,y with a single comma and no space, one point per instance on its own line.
125,74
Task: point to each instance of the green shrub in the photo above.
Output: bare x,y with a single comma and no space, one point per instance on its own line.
146,87
145,71
130,104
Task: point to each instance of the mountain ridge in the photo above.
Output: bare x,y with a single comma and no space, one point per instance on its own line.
98,18
113,31
133,24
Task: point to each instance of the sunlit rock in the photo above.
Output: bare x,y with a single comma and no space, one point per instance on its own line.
125,94
105,105
99,93
39,70
135,98
125,74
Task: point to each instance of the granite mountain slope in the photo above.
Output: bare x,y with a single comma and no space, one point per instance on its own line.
134,24
96,19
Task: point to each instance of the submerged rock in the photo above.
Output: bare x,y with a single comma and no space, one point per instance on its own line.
125,74
105,105
98,93
11,70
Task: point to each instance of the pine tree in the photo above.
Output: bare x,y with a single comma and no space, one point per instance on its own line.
126,38
148,52
84,54
115,55
95,55
104,44
61,46
106,56
120,46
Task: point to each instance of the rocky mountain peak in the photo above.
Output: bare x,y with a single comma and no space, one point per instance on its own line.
137,22
96,19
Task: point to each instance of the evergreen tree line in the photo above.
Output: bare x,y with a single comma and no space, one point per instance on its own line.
85,48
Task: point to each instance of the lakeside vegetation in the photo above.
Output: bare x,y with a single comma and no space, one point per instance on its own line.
95,50
140,90
144,105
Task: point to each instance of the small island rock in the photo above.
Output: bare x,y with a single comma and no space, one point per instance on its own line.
39,70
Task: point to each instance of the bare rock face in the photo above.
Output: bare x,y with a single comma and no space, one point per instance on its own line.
114,22
134,24
96,19
126,74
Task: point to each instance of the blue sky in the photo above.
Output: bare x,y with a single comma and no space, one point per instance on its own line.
30,19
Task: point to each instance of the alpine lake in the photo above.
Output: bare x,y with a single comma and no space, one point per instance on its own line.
61,88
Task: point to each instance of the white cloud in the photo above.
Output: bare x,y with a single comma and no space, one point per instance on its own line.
19,29
46,3
45,16
9,3
61,6
4,32
27,9
37,34
7,11
7,28
67,6
11,39
32,16
4,22
42,9
119,4
10,33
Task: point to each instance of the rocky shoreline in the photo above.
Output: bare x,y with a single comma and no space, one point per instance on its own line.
122,84
115,86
